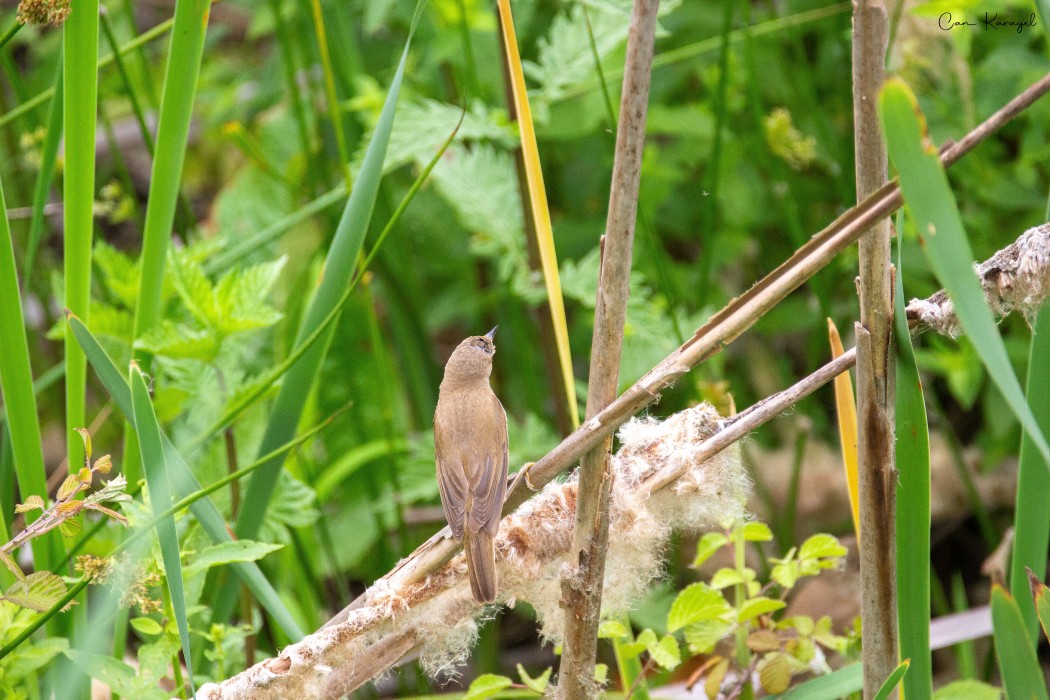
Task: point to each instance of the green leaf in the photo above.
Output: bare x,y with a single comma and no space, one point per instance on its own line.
30,657
833,686
119,676
38,591
601,673
537,684
893,680
1041,596
757,532
786,574
185,482
724,578
146,625
708,545
33,502
774,672
228,552
696,603
612,629
1022,674
155,467
968,690
928,196
758,606
487,685
704,635
70,527
821,546
666,652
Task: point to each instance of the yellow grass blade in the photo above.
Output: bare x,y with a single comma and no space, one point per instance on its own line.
846,409
538,203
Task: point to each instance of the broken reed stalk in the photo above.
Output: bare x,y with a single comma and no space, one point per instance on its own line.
583,579
1025,264
721,329
875,373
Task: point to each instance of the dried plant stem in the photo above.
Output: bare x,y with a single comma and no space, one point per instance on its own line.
721,329
875,376
582,583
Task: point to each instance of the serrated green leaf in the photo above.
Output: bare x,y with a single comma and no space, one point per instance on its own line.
12,565
666,652
33,502
708,545
227,553
724,578
119,273
702,636
696,603
146,625
179,341
71,527
786,574
537,684
38,591
757,532
487,685
821,546
759,606
69,486
967,690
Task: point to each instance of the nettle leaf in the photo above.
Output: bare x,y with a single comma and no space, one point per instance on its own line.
71,528
239,295
69,487
758,606
698,602
422,125
703,636
537,684
295,508
179,341
821,546
195,290
708,545
487,685
34,502
38,591
228,552
119,274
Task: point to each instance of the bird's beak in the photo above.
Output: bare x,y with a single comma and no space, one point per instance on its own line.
492,333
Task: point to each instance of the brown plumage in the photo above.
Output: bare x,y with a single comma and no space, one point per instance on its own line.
470,442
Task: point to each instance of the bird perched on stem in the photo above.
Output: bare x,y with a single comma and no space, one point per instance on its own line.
470,442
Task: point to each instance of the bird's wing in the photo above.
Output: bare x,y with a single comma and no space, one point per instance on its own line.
452,482
489,485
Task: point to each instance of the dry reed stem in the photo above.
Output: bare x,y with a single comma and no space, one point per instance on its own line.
583,577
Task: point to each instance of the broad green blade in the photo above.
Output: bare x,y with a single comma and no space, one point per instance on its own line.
913,507
1031,514
833,686
48,158
338,269
155,467
928,196
16,388
173,128
1022,674
184,482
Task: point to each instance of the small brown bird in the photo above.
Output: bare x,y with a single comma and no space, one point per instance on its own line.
470,442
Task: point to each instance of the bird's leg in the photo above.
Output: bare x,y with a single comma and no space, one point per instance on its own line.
523,473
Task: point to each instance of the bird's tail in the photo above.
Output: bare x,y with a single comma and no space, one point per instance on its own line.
481,565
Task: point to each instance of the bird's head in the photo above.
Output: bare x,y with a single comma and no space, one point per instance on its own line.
472,358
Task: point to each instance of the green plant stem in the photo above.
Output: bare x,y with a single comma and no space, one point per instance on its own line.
48,159
9,34
294,94
330,95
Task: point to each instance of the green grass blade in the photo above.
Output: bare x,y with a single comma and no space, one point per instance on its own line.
48,158
913,508
891,683
16,386
155,467
79,106
932,204
1022,674
183,480
339,266
173,126
1031,515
